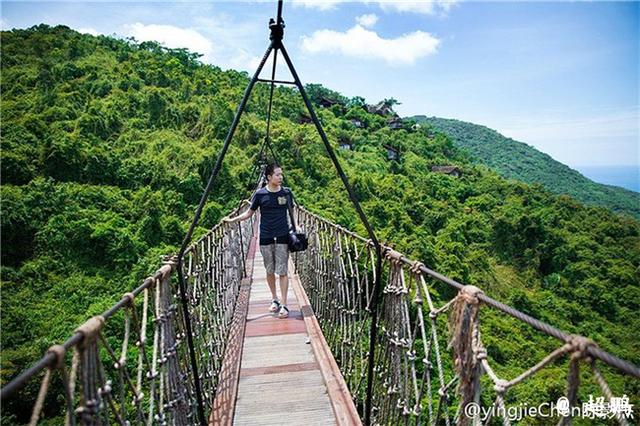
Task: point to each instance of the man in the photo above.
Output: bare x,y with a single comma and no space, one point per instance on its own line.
274,202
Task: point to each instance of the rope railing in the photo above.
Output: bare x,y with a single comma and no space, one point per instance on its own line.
130,365
214,268
426,369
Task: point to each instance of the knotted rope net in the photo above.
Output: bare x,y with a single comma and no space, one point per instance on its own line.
130,365
430,361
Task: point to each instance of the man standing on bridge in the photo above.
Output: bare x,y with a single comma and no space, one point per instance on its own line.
274,200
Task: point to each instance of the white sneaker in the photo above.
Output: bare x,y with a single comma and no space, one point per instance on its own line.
275,305
284,312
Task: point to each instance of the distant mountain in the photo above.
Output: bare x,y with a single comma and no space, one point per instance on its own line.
517,160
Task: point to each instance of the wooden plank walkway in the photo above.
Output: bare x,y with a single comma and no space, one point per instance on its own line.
282,381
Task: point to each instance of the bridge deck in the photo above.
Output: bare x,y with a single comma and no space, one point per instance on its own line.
281,378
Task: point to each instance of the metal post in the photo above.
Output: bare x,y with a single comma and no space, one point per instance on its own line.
365,222
194,222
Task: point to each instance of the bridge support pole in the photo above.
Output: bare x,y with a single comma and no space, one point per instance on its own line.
363,218
187,239
277,33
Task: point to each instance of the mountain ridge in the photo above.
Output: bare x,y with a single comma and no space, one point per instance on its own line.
517,160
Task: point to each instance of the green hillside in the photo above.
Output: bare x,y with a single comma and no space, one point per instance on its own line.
517,160
107,145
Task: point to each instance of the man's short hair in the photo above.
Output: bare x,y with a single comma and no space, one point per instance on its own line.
271,168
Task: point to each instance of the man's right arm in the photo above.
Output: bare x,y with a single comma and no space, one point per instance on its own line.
244,216
253,206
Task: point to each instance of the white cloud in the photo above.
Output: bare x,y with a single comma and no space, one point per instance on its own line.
282,71
318,4
172,37
91,31
362,43
243,60
368,20
4,24
427,7
423,7
233,49
250,63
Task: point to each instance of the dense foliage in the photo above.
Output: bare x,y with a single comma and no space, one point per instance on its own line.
516,160
107,145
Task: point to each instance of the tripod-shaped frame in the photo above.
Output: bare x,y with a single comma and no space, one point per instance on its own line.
277,32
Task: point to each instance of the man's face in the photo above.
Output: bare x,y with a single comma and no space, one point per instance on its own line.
276,177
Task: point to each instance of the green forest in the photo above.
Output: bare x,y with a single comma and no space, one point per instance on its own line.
517,160
107,145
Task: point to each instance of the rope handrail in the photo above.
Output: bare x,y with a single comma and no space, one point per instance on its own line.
49,358
413,381
244,204
337,272
535,323
150,381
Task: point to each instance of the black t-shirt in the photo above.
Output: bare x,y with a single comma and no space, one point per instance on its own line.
273,211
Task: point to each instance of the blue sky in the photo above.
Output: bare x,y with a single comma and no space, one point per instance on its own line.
561,76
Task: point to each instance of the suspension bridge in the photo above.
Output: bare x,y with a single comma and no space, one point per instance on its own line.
131,365
366,342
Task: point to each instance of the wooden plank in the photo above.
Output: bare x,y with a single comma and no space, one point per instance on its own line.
276,350
343,407
272,369
223,406
284,418
300,379
284,398
280,381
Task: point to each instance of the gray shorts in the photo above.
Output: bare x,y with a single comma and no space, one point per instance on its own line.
276,258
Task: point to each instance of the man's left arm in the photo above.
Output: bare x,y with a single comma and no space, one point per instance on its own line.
290,203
